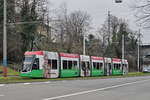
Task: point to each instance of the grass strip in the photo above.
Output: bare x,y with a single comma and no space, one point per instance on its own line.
9,72
7,80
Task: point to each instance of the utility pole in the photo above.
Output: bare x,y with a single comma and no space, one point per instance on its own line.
5,41
123,46
138,62
84,44
108,27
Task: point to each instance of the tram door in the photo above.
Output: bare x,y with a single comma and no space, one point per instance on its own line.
85,66
53,71
108,67
124,66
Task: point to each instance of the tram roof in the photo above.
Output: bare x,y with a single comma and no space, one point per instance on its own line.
34,53
97,58
67,55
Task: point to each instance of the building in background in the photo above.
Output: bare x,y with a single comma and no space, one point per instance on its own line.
144,56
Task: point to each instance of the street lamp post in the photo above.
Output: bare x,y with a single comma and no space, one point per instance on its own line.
138,61
120,1
5,41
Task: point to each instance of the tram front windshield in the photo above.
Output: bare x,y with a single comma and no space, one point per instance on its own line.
27,63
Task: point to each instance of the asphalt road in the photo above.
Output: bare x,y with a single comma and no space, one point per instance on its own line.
135,88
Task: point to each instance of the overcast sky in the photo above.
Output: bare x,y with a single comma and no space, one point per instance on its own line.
98,10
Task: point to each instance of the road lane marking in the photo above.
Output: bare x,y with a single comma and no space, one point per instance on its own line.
27,83
47,82
2,95
90,91
2,84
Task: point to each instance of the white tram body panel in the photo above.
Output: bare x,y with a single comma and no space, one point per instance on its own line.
53,60
125,66
85,69
108,66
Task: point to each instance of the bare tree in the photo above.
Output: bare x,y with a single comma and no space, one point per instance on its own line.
142,12
71,28
79,25
118,27
109,37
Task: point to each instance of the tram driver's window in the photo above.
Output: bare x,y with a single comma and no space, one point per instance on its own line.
101,65
54,64
36,64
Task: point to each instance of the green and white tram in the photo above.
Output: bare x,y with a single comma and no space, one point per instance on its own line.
54,65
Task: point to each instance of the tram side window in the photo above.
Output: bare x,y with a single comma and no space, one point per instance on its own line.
65,64
98,66
83,66
119,66
101,65
88,65
36,64
115,66
69,64
75,64
49,62
94,65
54,64
110,66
